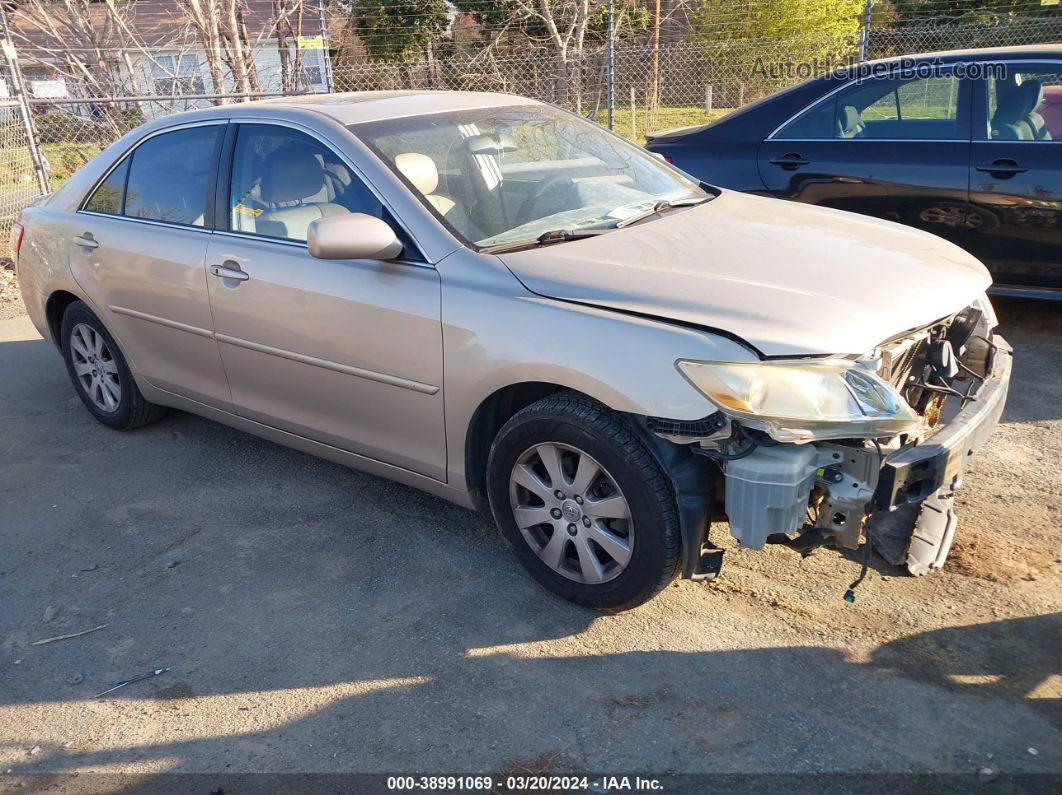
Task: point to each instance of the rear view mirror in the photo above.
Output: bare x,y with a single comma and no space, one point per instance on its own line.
497,144
353,236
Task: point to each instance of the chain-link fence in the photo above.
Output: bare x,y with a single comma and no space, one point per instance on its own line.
673,85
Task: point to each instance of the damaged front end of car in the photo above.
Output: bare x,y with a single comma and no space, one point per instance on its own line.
837,451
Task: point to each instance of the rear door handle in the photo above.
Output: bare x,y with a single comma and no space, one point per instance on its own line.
229,273
87,242
1002,166
789,160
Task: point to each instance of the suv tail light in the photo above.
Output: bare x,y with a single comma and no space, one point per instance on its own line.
18,231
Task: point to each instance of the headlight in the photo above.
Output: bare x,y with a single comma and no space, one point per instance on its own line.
797,401
985,305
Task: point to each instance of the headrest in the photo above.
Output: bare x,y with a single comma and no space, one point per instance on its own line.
292,172
1033,92
850,119
1053,95
1010,103
420,170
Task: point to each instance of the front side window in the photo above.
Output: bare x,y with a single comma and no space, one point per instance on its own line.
169,175
889,108
1025,106
283,180
509,174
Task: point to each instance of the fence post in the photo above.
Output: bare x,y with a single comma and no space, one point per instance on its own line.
326,53
610,66
708,98
634,113
864,31
23,105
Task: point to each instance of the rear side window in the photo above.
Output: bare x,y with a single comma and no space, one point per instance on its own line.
169,174
108,196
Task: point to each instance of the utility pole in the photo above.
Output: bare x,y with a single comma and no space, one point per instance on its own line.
610,66
19,92
864,33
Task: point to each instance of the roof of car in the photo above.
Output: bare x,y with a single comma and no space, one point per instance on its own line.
1026,51
359,106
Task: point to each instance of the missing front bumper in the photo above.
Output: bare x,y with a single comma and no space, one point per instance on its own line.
913,521
912,473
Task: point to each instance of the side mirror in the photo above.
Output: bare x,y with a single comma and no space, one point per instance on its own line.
352,236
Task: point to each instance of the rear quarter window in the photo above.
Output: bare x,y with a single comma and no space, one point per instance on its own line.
107,198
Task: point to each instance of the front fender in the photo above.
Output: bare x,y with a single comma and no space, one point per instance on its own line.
496,334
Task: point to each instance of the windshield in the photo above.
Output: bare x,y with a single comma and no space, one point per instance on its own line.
502,175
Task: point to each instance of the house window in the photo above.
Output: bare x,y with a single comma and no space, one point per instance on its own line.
174,75
312,68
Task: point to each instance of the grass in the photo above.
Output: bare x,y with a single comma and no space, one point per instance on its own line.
16,169
634,125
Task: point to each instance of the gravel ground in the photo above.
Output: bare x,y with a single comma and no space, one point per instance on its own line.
10,298
315,619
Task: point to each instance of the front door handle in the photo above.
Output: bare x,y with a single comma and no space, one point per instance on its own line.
223,272
1004,167
789,160
86,241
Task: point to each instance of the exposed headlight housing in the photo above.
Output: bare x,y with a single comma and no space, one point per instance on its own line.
985,305
800,401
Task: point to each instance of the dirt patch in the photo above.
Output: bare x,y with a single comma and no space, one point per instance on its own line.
10,297
976,555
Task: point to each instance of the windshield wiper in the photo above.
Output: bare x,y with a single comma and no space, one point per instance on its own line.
660,206
546,238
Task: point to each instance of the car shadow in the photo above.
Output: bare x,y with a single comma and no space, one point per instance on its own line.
473,702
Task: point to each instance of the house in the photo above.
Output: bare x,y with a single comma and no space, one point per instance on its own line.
152,53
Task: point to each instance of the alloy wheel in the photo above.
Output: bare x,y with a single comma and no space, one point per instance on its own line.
572,513
95,367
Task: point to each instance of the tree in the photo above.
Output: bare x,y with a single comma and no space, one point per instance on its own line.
929,12
220,27
829,22
398,30
560,25
287,28
87,43
748,38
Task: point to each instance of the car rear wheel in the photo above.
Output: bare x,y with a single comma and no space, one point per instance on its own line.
100,374
584,506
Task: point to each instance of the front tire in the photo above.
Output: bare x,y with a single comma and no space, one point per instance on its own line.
584,506
100,374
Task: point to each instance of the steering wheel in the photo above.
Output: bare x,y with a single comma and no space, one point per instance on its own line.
544,187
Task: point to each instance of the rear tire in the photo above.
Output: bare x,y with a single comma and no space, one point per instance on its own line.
100,374
609,540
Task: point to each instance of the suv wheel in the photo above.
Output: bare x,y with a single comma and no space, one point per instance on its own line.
99,372
584,506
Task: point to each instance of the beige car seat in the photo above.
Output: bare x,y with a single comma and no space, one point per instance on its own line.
291,175
423,174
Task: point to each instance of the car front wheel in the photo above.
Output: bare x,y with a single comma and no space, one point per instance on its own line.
100,374
584,506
